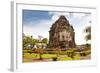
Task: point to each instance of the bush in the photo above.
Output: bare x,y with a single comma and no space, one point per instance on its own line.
70,53
85,53
77,57
27,51
54,59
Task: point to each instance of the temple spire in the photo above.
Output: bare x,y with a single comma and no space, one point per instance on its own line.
61,34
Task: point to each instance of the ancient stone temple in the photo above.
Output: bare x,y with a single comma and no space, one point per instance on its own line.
61,34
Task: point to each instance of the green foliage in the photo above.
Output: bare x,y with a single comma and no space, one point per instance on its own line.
32,56
27,51
87,46
64,58
49,55
77,57
56,55
45,40
88,31
40,51
28,40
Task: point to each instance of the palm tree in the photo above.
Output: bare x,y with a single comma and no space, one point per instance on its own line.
88,33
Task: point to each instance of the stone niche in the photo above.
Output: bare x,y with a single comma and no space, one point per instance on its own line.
61,34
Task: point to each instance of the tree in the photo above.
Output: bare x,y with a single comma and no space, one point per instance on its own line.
29,40
26,41
56,51
88,33
45,40
40,51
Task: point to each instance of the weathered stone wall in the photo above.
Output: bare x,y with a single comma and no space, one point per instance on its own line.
61,34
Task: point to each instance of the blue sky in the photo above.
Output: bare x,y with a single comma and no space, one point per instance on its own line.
36,16
39,22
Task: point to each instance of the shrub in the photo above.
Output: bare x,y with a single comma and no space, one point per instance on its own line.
70,54
27,51
54,59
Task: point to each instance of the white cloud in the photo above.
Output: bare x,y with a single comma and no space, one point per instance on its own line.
79,28
56,15
42,28
79,15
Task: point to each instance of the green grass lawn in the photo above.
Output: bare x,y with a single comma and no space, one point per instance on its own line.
62,56
36,56
49,55
29,57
